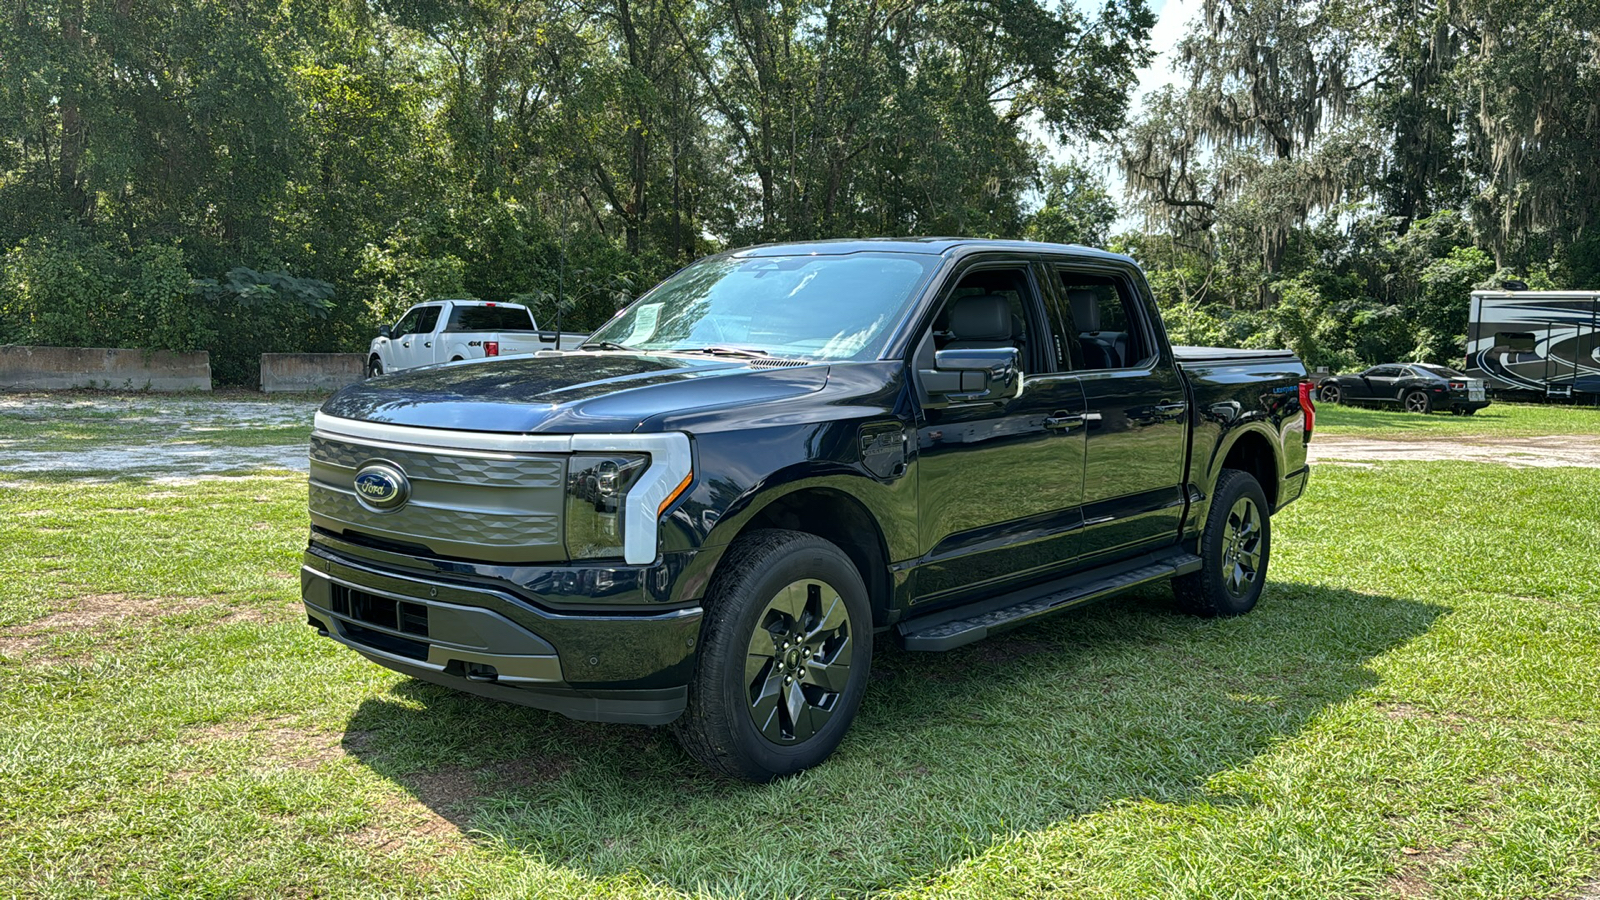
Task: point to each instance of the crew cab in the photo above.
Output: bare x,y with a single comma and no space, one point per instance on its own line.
708,515
454,330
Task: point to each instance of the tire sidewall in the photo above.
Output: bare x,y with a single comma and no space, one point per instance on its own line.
1236,484
806,557
1427,402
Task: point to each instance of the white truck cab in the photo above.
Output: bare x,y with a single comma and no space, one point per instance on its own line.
451,330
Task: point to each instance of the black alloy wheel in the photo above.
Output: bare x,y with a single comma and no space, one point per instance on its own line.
784,654
1234,550
1242,546
1330,393
798,662
1418,402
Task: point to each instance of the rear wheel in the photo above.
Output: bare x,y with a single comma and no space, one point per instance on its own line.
1469,412
1418,402
1235,548
784,655
1330,393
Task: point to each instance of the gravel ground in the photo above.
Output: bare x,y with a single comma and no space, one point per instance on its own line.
1517,452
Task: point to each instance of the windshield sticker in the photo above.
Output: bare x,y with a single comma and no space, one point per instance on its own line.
644,324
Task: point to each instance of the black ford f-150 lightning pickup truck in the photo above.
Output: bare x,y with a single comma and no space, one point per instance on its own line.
779,455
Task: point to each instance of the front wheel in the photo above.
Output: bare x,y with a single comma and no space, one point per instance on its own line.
784,656
1330,393
1418,402
1235,548
374,367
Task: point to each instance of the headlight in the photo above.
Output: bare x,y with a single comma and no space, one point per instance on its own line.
597,496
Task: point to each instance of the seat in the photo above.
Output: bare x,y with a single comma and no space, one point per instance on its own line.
981,322
1097,353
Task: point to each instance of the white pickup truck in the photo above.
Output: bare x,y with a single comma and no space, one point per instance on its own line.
450,330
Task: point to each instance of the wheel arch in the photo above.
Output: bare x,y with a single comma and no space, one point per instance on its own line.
1252,449
829,511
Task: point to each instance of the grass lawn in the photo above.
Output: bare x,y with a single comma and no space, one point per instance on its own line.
1411,712
1495,420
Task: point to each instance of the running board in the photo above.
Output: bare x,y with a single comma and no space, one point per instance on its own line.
948,629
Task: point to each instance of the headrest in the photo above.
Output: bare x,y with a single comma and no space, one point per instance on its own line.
1085,309
986,317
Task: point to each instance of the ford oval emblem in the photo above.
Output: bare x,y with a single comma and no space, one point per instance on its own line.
382,487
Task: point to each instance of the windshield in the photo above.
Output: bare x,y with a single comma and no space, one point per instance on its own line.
1441,371
808,307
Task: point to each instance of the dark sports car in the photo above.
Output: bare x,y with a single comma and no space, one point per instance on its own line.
1414,387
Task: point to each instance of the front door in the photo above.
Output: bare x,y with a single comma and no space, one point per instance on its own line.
1138,406
414,347
1382,383
1000,484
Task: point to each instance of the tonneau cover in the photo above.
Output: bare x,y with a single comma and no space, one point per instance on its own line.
1221,354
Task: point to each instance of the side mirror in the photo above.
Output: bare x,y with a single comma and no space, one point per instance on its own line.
385,331
974,376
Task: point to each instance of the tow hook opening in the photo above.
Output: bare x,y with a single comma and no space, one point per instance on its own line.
479,672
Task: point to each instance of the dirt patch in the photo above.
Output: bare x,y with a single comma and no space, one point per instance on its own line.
1582,451
101,614
1414,879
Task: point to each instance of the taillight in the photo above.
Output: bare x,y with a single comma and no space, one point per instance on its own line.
1458,385
1307,389
491,348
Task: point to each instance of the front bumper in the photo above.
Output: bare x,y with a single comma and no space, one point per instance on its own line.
609,667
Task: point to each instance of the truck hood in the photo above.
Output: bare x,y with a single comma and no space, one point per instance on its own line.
576,393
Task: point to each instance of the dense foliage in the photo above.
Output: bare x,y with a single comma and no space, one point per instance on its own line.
252,175
359,156
1337,176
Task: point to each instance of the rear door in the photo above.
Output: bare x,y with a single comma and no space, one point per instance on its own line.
999,484
1137,404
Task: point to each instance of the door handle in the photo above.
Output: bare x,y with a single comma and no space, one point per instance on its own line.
428,344
1171,410
405,343
1063,421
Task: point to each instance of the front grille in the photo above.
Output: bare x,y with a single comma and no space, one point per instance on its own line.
384,612
463,504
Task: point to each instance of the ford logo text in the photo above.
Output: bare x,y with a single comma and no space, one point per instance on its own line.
382,487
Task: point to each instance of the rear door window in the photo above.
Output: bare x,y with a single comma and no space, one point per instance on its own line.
1099,318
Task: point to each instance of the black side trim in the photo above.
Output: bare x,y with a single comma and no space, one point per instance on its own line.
954,628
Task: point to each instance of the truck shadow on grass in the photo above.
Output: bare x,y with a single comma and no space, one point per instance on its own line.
951,753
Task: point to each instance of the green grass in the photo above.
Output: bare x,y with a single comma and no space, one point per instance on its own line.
1497,419
1410,712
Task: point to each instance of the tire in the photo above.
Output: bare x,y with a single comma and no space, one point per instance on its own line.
374,367
1417,402
1469,412
455,359
1233,573
786,584
1330,393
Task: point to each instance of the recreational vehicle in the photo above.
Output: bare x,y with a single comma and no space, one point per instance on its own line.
1540,342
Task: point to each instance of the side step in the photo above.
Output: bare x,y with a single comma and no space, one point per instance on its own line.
948,629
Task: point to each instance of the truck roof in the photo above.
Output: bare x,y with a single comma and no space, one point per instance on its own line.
928,246
465,302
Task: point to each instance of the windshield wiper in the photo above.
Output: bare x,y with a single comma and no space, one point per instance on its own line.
746,352
604,345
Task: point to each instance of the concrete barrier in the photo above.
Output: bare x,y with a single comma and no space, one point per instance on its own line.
53,368
284,372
